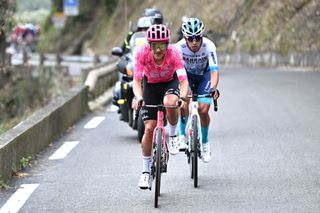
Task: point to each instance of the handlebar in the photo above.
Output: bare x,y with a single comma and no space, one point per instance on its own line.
138,110
160,106
215,101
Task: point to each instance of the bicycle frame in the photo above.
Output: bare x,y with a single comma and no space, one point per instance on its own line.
160,125
160,151
160,159
194,136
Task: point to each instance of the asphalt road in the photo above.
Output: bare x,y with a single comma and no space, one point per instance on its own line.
265,140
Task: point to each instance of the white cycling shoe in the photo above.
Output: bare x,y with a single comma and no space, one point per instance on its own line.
173,145
206,152
182,143
144,181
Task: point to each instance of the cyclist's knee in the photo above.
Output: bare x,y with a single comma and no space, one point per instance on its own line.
149,127
170,100
203,109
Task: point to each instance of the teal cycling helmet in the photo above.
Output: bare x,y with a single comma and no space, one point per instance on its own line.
192,27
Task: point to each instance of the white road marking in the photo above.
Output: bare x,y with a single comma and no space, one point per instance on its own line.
64,150
94,122
17,200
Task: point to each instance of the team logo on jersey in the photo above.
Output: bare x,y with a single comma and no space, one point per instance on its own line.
213,57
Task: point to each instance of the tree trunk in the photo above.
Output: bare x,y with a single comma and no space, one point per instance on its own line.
2,50
3,25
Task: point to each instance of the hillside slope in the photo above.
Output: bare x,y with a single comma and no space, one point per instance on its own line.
248,25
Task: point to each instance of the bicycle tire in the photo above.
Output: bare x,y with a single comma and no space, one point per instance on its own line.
158,164
194,151
130,117
124,112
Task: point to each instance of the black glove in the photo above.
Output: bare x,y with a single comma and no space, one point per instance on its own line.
213,91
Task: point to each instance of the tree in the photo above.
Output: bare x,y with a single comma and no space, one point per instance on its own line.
6,13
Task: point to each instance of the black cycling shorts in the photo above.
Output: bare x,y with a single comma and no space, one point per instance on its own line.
153,94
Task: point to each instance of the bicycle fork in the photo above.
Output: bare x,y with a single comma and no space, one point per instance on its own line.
194,112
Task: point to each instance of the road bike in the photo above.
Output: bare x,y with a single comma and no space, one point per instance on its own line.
193,135
160,151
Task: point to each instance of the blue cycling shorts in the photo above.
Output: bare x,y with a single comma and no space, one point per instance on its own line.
200,84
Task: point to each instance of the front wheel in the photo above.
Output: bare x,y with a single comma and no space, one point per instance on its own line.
194,151
158,165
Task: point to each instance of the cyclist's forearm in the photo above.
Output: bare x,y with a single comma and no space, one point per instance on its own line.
184,86
137,88
214,79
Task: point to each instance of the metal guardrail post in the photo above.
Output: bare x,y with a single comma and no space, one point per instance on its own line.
42,58
25,57
58,59
96,60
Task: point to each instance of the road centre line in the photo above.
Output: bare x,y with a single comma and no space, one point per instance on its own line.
64,150
17,200
94,122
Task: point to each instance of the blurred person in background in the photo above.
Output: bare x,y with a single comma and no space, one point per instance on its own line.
149,14
155,14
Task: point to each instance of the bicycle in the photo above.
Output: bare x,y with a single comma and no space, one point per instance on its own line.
193,135
160,158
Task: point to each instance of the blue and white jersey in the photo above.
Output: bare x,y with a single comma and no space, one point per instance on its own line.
202,61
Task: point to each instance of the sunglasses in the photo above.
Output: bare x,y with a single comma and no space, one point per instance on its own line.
156,45
196,38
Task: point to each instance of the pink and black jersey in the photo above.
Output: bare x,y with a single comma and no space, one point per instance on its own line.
145,65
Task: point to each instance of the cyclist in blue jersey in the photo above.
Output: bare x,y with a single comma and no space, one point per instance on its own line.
200,61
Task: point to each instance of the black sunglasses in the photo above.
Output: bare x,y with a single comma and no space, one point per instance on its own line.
192,38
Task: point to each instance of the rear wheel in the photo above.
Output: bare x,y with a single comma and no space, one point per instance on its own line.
158,164
124,112
194,151
130,115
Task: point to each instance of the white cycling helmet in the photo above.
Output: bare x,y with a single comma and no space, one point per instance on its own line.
192,27
144,23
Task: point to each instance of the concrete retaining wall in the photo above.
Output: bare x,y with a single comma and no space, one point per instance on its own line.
35,133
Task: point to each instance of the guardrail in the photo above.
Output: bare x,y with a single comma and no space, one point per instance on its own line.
41,58
297,60
99,80
34,134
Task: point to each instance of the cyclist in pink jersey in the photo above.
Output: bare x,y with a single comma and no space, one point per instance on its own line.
159,77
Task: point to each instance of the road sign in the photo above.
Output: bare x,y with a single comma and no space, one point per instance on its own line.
71,7
58,19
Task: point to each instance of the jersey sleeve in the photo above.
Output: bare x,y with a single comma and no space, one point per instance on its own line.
178,46
179,67
213,60
139,64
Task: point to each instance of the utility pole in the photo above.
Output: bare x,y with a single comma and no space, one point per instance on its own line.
125,14
4,7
